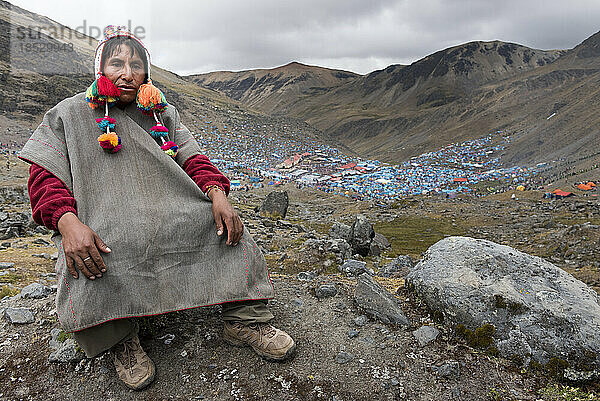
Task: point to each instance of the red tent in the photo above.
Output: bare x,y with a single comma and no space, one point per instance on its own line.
347,166
460,179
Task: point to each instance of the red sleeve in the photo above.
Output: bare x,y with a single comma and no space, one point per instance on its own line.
204,173
49,197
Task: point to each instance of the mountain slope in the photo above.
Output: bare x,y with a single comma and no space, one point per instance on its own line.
269,90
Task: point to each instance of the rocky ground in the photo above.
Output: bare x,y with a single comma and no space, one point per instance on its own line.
345,352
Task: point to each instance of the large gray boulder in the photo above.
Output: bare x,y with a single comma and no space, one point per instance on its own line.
340,230
361,235
275,205
540,313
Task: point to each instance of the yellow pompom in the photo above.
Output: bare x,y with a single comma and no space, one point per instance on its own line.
111,137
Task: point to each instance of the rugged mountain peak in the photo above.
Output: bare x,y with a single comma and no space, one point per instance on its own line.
589,48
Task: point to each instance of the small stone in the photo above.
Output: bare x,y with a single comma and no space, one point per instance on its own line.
352,333
394,381
6,265
67,352
184,353
306,276
54,333
167,338
376,301
19,315
326,291
42,230
103,370
42,255
54,256
361,320
41,241
35,290
353,267
450,368
212,366
343,357
297,302
425,335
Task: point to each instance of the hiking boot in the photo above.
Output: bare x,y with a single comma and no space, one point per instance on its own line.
267,341
134,366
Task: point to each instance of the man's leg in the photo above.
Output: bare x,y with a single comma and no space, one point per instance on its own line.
246,312
134,367
246,324
100,338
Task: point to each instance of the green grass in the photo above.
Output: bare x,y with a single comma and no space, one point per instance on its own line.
8,291
10,278
412,235
559,392
571,220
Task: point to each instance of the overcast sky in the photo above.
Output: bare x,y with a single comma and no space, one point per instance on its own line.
356,35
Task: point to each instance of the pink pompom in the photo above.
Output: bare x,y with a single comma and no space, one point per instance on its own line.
109,119
168,145
159,128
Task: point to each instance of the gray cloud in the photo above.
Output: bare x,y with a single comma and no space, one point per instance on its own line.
356,35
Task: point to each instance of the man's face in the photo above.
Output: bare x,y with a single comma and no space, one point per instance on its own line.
126,72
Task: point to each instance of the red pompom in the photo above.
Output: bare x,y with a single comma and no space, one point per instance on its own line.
107,88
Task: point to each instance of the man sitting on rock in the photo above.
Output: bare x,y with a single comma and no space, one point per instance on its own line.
135,180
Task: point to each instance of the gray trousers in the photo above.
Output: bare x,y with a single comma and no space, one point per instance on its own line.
100,338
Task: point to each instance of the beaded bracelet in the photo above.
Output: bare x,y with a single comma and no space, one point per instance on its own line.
210,187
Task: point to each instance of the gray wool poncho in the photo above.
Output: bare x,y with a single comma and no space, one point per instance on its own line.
166,255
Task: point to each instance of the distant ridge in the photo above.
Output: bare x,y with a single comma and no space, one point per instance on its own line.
452,95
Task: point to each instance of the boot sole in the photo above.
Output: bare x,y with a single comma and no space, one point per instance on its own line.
241,344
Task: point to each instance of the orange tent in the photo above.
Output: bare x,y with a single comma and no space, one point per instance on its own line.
561,193
584,187
591,184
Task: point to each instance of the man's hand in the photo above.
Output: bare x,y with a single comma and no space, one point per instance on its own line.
81,245
226,217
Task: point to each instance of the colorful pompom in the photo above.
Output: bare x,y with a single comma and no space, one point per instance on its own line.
170,148
100,92
107,88
110,142
159,130
150,98
91,95
105,122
